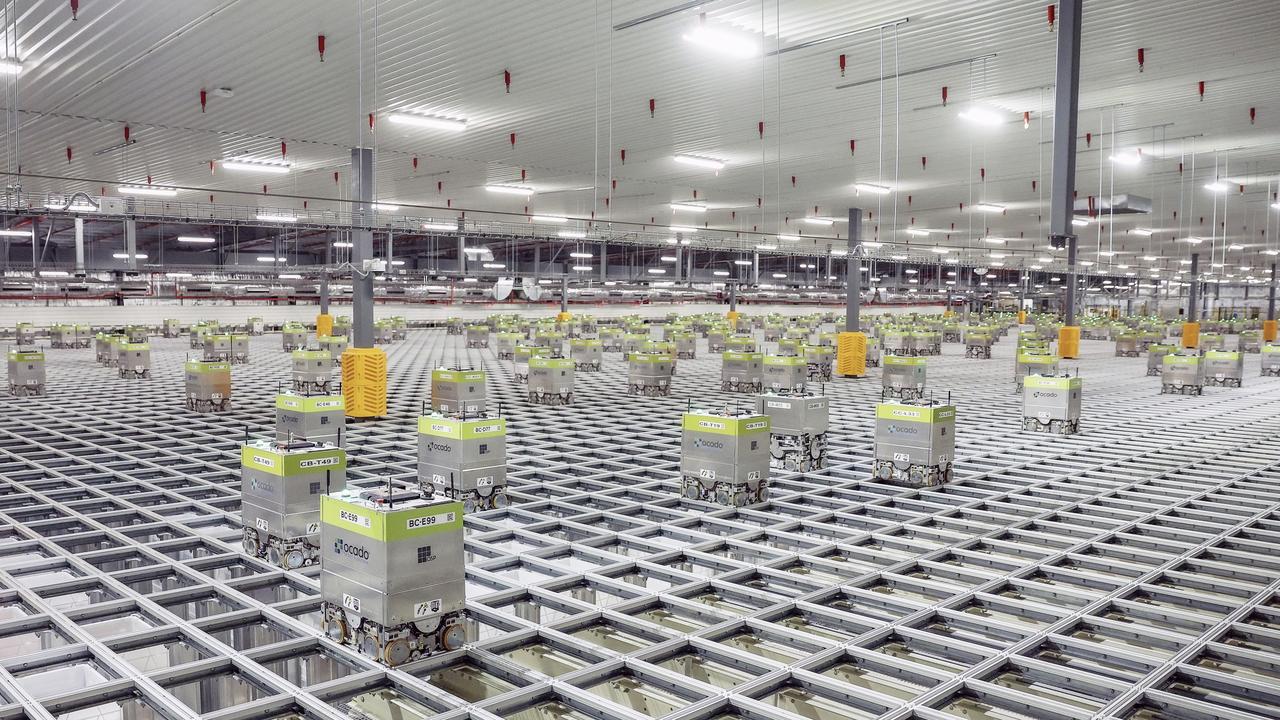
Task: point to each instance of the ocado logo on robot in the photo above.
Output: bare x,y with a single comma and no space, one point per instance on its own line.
341,547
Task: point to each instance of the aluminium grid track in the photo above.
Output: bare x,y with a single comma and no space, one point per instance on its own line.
1127,572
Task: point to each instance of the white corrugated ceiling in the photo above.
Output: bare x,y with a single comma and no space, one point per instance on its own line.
580,92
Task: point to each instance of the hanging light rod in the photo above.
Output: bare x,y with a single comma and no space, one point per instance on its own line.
839,36
917,71
113,148
658,15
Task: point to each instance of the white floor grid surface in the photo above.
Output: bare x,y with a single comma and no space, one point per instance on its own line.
1130,571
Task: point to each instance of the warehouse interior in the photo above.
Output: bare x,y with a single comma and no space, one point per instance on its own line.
712,360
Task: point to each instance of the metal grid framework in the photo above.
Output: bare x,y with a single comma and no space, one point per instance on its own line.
1127,572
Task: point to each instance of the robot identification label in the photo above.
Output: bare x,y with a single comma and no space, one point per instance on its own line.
430,520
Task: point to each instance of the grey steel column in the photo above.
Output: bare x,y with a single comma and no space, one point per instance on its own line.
853,273
130,243
361,247
733,295
1195,287
537,259
80,250
564,293
324,275
1066,105
390,245
1271,295
604,261
462,255
1073,281
688,270
755,268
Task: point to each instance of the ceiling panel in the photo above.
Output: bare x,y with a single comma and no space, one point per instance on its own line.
580,92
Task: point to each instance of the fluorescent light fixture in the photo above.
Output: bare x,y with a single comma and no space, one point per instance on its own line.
494,266
196,239
473,250
571,234
766,247
146,190
1184,262
700,161
913,232
871,244
269,259
15,233
9,66
178,275
741,262
54,273
688,207
582,268
940,250
898,257
256,166
657,271
1150,258
1234,246
581,255
1216,186
982,116
272,217
993,240
872,188
1086,263
911,271
524,190
668,258
125,256
428,121
1216,265
720,273
549,219
825,222
789,238
670,241
342,244
997,256
1105,253
1044,259
1131,159
1036,267
779,275
682,229
385,207
439,227
987,207
1191,239
289,276
397,263
724,42
1271,252
1143,232
1080,222
470,279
